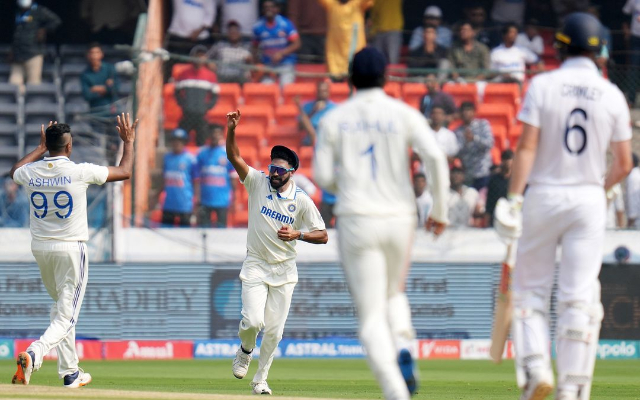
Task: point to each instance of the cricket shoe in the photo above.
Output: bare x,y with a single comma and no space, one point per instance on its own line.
77,379
25,368
408,370
539,385
241,363
260,388
565,395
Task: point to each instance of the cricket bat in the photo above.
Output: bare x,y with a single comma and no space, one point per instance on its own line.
504,307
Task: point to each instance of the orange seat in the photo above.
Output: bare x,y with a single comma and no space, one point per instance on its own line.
500,136
306,157
282,130
257,114
261,94
283,135
412,93
462,92
249,155
287,115
497,114
514,135
339,92
250,136
264,155
502,93
317,69
496,155
306,91
229,96
393,89
218,116
178,69
171,110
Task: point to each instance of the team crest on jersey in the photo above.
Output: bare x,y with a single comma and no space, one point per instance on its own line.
291,208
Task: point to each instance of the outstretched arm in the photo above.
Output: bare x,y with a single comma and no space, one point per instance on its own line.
127,132
36,154
233,152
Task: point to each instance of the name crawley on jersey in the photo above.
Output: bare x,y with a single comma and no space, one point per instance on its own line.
583,92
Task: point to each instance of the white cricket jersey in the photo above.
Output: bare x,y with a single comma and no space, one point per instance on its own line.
57,192
579,113
362,155
269,211
512,60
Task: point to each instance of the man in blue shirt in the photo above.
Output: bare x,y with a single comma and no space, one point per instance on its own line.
14,207
277,40
215,183
311,112
180,170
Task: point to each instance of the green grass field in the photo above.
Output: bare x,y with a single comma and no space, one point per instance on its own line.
342,379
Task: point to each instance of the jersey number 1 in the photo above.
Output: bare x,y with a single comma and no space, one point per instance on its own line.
44,204
374,164
579,131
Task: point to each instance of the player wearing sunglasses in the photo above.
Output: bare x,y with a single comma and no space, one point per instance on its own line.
278,210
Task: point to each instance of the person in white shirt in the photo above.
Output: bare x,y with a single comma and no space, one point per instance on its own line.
445,138
191,22
465,204
615,207
424,200
571,117
57,190
278,210
509,59
244,12
633,195
530,38
362,156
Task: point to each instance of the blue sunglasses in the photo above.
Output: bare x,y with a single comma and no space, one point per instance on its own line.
278,170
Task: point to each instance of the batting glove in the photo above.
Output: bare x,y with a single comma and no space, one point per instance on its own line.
508,218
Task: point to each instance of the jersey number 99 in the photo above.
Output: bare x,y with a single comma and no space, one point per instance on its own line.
570,140
40,203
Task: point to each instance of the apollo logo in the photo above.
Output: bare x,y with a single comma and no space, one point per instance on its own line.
621,349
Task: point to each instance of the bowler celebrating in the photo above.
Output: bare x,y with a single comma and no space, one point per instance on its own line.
278,209
571,117
362,155
57,189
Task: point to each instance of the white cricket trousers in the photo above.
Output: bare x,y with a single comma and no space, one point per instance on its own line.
574,219
264,307
64,268
375,255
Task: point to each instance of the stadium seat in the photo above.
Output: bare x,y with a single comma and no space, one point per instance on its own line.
261,94
5,50
497,114
71,72
73,53
9,135
41,113
32,135
229,97
307,91
5,71
500,136
306,157
287,115
50,73
514,135
496,155
73,92
9,93
412,93
75,112
393,89
462,92
171,110
113,55
125,88
284,138
177,69
250,135
317,69
250,156
502,93
264,157
259,114
10,114
6,163
42,93
339,92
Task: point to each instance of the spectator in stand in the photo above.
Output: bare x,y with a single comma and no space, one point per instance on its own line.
32,23
476,141
180,170
530,39
469,54
245,12
436,97
313,111
342,16
432,17
386,27
498,184
508,11
230,53
310,18
14,206
510,60
191,24
633,195
465,204
196,93
275,37
615,207
430,54
486,32
424,200
446,139
215,173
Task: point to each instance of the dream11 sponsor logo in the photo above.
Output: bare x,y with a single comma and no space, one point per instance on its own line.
608,349
439,349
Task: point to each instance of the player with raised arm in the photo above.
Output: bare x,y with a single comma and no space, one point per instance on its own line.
57,190
278,210
362,155
571,117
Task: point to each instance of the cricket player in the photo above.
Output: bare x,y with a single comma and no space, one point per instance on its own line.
56,188
278,210
362,155
571,116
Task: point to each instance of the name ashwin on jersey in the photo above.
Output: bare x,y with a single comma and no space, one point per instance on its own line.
583,92
59,181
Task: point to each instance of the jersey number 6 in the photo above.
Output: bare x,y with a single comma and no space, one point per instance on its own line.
581,131
44,204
